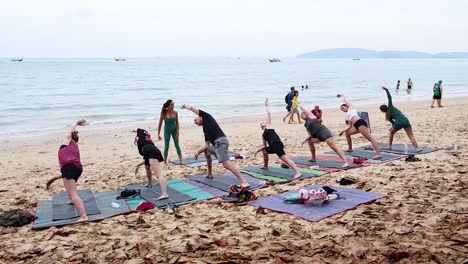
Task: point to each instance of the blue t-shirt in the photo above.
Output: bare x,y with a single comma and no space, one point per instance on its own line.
290,97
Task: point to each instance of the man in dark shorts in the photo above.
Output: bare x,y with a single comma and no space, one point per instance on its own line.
275,145
216,143
319,133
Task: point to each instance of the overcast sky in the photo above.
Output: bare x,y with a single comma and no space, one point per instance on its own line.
113,28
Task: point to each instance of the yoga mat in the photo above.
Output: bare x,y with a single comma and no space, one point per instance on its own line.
268,178
104,201
213,191
62,211
328,163
221,181
279,172
177,184
350,199
201,159
151,194
369,154
399,149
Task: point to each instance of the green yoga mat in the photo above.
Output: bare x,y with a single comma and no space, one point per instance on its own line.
266,177
178,185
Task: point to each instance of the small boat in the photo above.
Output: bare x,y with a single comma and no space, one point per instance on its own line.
274,60
21,59
119,59
356,59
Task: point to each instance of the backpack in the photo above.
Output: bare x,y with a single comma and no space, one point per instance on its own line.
16,217
128,193
239,194
286,99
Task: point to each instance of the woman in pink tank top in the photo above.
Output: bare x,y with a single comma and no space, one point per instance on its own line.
71,168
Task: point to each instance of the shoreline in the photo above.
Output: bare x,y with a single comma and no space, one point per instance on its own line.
236,118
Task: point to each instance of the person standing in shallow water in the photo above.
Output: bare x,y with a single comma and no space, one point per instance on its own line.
71,168
398,85
398,120
216,143
171,128
275,145
410,84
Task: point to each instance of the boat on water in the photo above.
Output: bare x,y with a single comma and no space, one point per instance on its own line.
17,59
356,59
274,60
119,59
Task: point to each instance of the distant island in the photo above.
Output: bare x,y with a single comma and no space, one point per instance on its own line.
352,53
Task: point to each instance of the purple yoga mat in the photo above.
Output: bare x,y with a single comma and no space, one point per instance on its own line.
217,192
350,198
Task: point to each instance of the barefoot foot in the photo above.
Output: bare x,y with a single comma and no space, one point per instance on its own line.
163,196
149,185
297,176
345,165
348,150
264,167
377,157
209,176
82,219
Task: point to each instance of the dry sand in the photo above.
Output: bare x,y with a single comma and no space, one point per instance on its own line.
424,218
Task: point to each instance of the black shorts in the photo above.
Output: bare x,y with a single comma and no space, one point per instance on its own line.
71,172
323,135
152,152
276,148
359,123
409,87
437,97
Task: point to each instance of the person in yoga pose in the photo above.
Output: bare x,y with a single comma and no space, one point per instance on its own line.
275,146
398,120
151,159
216,143
319,133
356,125
171,128
71,168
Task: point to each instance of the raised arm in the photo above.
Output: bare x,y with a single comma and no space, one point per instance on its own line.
345,100
303,109
191,108
68,135
389,96
161,118
267,109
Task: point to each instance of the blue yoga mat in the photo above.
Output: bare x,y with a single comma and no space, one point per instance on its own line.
400,149
350,198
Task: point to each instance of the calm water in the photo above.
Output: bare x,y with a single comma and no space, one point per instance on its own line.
47,94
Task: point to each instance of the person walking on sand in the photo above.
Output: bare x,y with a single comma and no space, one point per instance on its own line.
288,100
294,108
410,84
151,159
216,143
437,94
272,144
171,128
398,120
71,168
356,125
319,133
317,112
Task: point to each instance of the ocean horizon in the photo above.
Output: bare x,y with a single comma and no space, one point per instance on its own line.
41,95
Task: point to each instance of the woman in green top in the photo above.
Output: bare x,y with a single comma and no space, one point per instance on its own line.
171,128
398,120
437,94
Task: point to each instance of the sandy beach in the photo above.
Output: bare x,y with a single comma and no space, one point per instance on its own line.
422,220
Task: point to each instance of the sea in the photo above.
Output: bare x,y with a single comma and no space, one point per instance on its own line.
44,95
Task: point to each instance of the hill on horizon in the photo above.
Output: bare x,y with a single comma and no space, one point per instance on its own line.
365,53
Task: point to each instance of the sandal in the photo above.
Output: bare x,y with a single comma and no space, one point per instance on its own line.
412,158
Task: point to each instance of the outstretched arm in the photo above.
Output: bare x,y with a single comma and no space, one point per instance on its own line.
345,100
346,130
191,108
68,135
267,109
303,109
389,96
262,148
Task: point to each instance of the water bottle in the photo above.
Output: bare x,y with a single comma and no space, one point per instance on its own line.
406,149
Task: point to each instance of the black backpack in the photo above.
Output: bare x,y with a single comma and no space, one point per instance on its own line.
286,100
16,217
